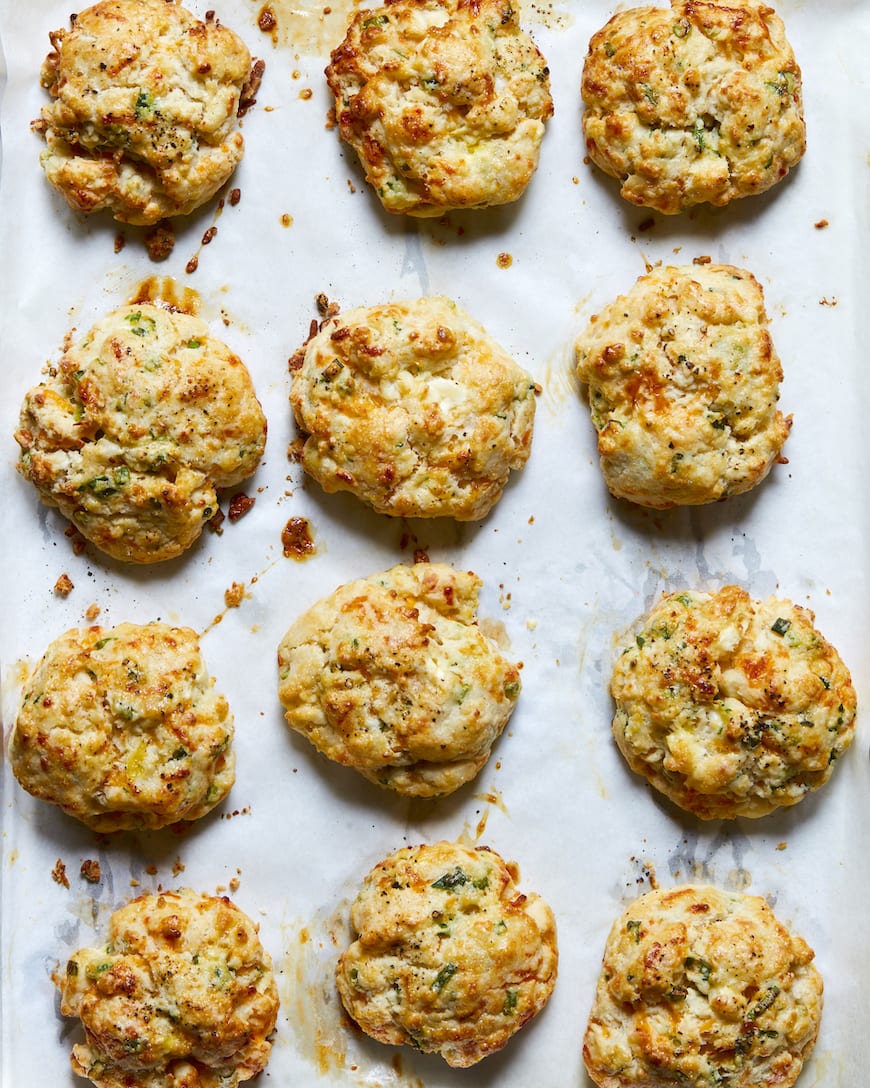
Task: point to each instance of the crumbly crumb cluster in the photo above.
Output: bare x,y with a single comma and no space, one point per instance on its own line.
730,706
143,420
449,956
701,103
392,676
122,728
683,384
444,101
182,994
143,117
413,408
702,987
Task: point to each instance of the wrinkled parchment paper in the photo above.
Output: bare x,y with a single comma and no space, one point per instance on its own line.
566,569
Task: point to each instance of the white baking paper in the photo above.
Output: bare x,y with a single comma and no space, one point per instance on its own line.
566,569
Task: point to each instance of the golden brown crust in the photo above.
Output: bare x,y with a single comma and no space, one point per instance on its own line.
702,987
729,706
122,728
143,114
183,994
697,104
144,419
392,676
444,101
683,385
414,409
449,955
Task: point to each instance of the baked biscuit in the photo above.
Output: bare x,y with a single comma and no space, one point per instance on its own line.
413,408
729,706
142,421
144,109
444,101
701,987
683,384
392,676
448,956
181,995
122,728
699,104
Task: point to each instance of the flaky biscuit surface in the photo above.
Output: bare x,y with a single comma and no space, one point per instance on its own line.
143,117
702,987
449,956
392,676
144,418
444,101
414,408
181,995
731,706
122,728
701,103
683,384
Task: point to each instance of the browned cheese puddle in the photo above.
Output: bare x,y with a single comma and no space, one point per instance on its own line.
164,291
296,539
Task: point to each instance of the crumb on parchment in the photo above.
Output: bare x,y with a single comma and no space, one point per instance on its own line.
63,586
239,506
90,870
234,596
215,523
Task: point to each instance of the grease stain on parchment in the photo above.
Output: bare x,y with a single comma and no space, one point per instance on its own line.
165,291
496,632
314,28
307,27
322,1032
560,385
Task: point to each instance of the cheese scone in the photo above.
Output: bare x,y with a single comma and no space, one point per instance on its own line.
449,955
122,728
731,706
143,118
135,429
444,102
413,408
702,987
181,996
699,103
683,383
392,676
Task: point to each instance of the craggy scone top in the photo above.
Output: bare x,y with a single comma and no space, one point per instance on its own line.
137,426
182,994
143,118
449,956
122,728
731,706
444,101
702,987
392,676
697,104
413,408
683,383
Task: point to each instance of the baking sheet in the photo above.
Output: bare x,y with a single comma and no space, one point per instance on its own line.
566,569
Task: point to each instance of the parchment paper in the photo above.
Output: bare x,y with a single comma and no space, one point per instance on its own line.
566,569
